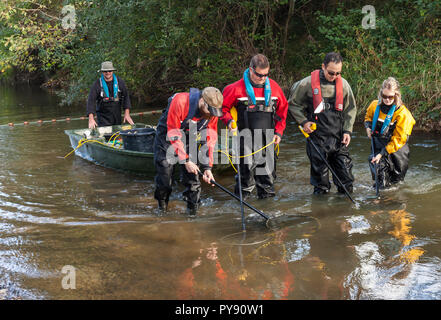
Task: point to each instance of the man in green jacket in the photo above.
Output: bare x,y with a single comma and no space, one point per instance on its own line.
325,99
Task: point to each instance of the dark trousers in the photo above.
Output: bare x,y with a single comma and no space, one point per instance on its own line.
257,171
164,181
392,168
109,114
338,158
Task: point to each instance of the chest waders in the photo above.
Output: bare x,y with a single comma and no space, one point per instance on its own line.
327,113
326,163
393,167
164,170
256,114
108,111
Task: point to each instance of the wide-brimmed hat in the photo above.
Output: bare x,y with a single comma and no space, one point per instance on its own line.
107,66
214,98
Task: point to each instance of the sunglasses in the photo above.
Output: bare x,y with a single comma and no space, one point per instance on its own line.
388,97
259,74
333,73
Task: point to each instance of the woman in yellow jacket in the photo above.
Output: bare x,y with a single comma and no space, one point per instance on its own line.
389,124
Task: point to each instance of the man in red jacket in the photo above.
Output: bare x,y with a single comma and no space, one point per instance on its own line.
190,118
261,118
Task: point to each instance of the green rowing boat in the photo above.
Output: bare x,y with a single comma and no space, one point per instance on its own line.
100,147
105,146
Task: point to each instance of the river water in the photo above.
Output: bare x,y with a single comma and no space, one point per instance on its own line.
70,229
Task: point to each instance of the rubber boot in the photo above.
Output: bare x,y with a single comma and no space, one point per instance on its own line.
350,189
192,209
162,205
318,190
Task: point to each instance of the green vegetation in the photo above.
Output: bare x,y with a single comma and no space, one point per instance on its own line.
163,46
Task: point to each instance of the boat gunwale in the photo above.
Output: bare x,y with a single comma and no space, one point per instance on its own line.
72,132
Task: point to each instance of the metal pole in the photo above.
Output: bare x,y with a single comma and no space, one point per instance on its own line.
242,210
327,164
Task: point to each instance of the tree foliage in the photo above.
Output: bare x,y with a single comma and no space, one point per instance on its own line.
32,37
163,46
405,44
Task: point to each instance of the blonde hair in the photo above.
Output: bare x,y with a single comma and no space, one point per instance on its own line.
391,84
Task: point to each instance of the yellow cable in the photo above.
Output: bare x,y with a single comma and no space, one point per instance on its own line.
116,134
80,143
226,152
248,155
114,140
84,141
229,159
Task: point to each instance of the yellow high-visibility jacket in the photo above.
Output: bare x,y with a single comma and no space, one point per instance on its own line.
403,121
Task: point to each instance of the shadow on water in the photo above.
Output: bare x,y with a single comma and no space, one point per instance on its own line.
57,212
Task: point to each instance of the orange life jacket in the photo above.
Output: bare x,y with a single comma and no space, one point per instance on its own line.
317,99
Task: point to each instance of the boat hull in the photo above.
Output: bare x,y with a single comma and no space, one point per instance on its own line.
111,157
102,153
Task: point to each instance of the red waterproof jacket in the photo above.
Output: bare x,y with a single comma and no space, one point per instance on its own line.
177,113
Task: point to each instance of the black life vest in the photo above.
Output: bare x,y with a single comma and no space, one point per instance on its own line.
193,108
161,143
258,116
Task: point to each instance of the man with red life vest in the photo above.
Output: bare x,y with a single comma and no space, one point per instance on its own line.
106,97
190,118
261,119
326,100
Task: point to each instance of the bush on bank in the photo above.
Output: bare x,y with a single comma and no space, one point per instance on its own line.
160,47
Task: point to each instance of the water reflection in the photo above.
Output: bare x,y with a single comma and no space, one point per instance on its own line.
256,271
386,265
56,212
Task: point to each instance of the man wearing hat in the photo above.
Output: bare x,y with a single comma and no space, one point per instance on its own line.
189,119
106,97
